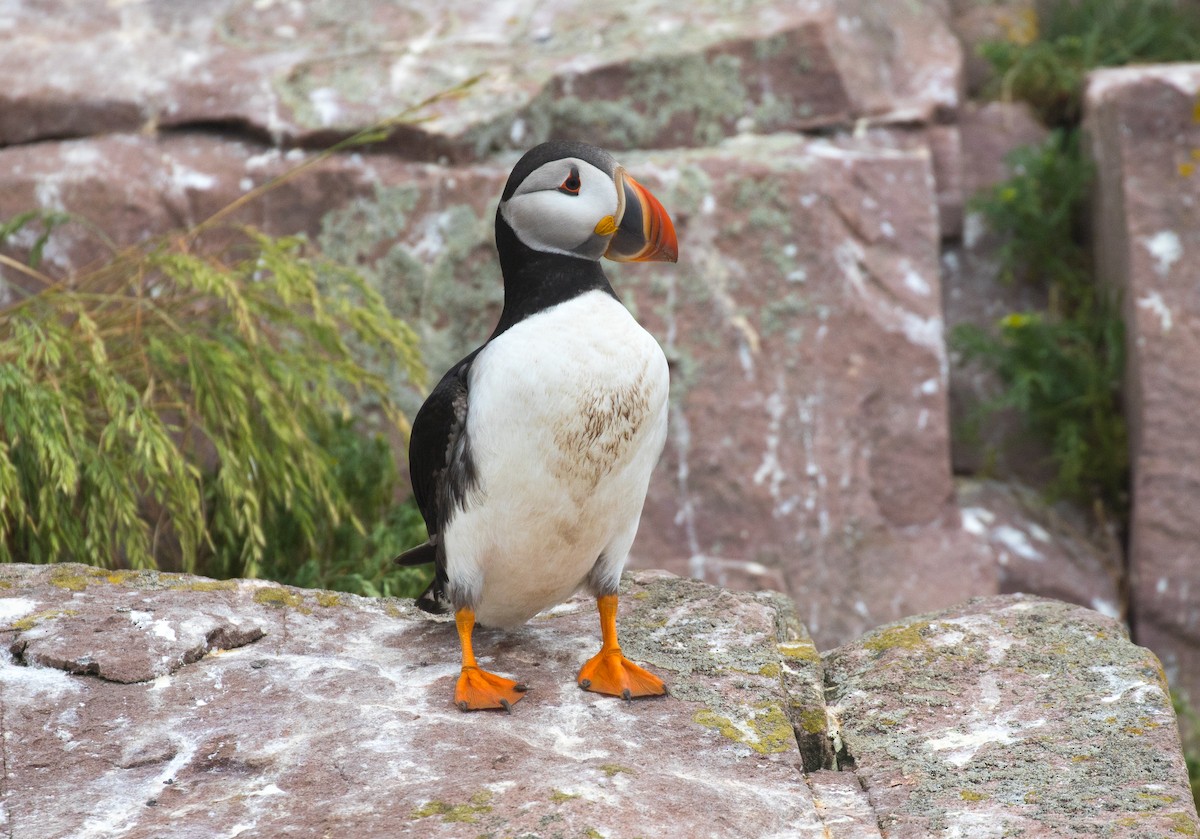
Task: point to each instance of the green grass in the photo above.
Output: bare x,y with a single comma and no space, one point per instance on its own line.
1061,368
1073,37
176,409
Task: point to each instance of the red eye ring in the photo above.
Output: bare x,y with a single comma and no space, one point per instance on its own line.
572,184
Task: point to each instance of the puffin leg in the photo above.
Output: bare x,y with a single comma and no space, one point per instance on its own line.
610,672
478,689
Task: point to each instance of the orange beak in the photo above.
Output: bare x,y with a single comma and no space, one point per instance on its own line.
645,233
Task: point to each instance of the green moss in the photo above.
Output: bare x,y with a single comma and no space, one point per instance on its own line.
30,621
902,636
467,813
771,731
592,833
558,796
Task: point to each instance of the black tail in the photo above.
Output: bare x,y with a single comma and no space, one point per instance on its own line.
422,554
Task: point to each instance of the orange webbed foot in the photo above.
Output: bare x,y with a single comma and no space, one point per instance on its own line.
612,673
479,690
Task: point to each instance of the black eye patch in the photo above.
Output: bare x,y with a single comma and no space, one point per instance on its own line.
572,183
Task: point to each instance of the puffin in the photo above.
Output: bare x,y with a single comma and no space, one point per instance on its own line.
531,458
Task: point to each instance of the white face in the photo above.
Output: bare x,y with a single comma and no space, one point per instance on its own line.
557,207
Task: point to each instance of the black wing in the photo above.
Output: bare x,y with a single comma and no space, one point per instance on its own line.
442,472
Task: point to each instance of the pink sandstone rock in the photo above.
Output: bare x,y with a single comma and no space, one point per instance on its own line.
140,704
1144,129
648,73
1010,716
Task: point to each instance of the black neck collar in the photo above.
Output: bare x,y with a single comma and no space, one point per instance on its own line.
536,280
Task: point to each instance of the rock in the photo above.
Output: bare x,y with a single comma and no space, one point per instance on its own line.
1010,716
654,74
1144,129
337,719
320,713
1051,551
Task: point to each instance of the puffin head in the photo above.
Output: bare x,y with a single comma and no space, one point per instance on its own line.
573,199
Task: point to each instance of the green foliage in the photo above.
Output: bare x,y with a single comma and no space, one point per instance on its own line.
1062,368
1189,729
1074,36
171,406
1040,212
348,557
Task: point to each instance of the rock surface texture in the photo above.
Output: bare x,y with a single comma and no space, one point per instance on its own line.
159,705
1144,125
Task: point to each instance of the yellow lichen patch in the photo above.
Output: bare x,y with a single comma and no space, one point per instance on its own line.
468,812
118,578
279,597
972,795
72,579
206,585
1186,170
5,584
558,796
812,720
905,637
392,610
771,671
769,732
30,621
1183,824
592,833
611,769
329,599
801,651
1196,111
1158,796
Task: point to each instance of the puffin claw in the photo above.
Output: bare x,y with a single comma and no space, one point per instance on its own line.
585,683
627,695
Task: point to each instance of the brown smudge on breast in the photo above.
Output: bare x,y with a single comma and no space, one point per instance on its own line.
599,436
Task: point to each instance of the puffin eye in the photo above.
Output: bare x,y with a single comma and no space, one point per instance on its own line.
572,184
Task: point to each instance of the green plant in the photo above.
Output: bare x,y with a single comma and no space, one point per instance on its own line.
1189,729
348,557
171,404
1061,369
1071,37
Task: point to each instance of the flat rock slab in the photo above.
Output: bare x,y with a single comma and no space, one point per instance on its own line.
140,704
1010,716
242,708
1144,129
648,73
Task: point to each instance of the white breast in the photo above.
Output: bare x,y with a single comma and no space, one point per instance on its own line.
566,419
